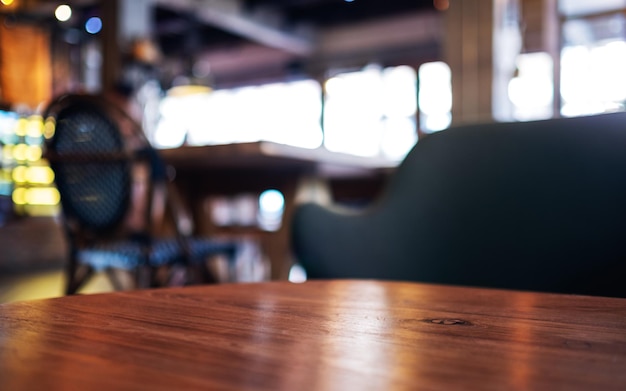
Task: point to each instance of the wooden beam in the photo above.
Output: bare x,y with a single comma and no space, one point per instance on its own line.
260,27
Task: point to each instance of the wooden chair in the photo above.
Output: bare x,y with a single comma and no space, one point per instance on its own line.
116,198
531,205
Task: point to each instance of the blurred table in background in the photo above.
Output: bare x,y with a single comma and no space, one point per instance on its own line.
233,170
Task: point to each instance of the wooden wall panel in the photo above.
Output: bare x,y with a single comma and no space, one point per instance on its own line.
533,24
25,66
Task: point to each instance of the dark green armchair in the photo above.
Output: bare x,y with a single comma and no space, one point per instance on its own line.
535,206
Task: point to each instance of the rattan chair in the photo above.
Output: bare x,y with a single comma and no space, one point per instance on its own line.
116,199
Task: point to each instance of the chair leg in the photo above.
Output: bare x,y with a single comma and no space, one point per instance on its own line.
201,273
177,275
76,276
144,277
70,276
193,274
114,279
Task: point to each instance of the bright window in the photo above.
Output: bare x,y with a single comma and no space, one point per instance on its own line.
371,112
435,96
593,79
593,57
287,113
531,91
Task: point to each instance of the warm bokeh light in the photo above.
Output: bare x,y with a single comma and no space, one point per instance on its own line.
19,174
7,2
441,5
19,196
33,153
63,13
20,152
24,175
42,196
21,127
39,175
7,152
49,127
34,128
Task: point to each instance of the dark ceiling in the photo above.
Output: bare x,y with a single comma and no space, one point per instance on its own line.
182,31
247,41
332,12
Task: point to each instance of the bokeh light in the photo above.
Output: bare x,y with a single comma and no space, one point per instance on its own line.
93,25
271,207
441,5
63,13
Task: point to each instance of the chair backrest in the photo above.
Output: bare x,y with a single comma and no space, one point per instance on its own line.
536,206
92,178
93,163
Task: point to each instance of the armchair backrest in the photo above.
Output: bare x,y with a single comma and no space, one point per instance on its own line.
535,206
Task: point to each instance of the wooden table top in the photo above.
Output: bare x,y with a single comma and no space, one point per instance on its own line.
320,335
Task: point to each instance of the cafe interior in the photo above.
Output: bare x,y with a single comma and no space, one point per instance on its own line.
241,112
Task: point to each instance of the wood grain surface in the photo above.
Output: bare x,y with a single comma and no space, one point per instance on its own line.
320,335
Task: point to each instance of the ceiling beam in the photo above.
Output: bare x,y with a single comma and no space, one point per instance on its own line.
410,37
405,30
262,26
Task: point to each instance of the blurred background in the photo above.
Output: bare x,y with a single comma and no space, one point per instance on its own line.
361,77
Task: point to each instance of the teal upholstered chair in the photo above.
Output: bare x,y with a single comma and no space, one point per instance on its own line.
533,206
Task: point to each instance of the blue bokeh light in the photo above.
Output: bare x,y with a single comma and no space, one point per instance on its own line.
93,25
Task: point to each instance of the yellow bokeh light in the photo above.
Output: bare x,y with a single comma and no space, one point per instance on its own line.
48,129
19,152
39,175
7,2
19,174
35,126
21,126
6,174
19,196
7,152
33,153
42,196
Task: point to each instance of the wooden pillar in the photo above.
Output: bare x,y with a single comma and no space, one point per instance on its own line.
111,53
552,43
542,33
468,50
481,41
